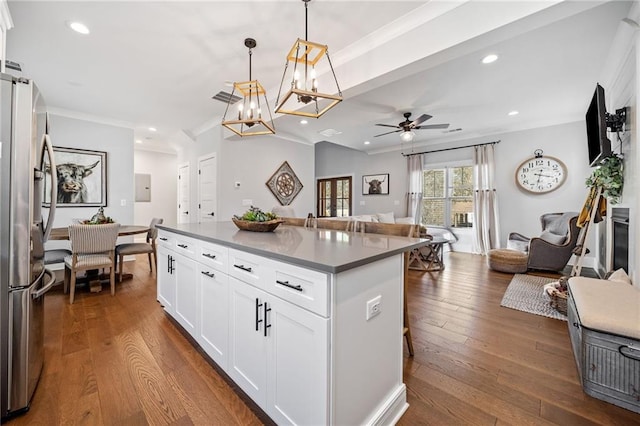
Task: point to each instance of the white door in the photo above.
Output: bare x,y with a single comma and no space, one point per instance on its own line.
207,193
247,344
297,364
183,193
166,278
186,304
213,324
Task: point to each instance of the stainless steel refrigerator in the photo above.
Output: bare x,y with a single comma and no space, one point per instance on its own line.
24,144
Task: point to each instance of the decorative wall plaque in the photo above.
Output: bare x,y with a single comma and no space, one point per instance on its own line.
284,184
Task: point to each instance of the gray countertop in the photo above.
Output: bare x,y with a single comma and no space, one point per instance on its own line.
321,249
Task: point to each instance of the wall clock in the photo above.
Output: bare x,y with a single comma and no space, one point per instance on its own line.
541,174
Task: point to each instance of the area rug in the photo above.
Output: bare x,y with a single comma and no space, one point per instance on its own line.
525,294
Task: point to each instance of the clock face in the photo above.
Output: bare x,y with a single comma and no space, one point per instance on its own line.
541,174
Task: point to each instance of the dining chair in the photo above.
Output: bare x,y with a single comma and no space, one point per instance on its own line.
149,247
92,247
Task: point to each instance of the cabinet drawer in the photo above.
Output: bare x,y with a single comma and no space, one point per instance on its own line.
302,287
246,267
213,255
166,239
185,245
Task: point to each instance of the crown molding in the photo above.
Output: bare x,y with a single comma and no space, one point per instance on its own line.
88,117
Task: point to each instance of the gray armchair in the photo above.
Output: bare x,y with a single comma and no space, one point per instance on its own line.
553,248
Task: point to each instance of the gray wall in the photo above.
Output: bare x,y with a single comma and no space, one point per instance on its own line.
118,143
251,161
164,184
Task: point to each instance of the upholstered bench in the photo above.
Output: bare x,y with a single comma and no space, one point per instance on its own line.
604,327
507,260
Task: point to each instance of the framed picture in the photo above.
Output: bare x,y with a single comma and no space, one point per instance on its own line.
82,178
375,184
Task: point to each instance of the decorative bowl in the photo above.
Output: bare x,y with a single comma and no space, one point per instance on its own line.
247,225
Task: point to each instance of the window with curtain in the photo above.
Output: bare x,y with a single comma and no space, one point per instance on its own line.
447,198
334,197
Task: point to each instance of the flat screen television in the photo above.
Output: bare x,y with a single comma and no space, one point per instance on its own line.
596,119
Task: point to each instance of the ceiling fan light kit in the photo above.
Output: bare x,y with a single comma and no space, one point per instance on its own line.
250,121
304,97
407,126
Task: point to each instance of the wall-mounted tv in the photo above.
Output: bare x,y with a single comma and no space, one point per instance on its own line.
596,119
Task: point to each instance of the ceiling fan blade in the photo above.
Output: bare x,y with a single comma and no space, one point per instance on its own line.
387,125
382,134
433,126
419,120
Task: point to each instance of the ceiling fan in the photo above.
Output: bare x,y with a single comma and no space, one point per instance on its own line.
407,125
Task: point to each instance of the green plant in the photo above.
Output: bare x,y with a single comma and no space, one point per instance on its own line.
608,176
254,214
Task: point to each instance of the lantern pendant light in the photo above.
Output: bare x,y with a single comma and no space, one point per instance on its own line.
249,120
304,97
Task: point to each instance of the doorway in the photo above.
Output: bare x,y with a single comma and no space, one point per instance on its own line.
207,188
183,193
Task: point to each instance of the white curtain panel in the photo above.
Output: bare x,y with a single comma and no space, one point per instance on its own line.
414,196
485,203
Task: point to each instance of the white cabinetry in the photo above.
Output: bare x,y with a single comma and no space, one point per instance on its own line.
212,329
186,304
166,279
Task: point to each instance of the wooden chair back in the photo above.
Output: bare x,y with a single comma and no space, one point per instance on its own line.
396,229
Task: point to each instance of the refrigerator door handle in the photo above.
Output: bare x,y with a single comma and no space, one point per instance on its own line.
47,286
54,182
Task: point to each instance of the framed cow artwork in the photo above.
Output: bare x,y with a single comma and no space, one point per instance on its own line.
375,184
82,178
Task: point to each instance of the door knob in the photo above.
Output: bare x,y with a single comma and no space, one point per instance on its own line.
211,214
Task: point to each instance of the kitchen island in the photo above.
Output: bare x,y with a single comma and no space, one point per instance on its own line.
307,322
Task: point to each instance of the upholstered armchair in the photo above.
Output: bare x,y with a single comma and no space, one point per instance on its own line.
553,248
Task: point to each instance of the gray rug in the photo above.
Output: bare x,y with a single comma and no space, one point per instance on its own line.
525,294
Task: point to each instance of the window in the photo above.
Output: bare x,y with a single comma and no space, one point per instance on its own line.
447,198
334,197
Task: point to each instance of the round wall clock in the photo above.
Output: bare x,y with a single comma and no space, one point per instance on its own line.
541,174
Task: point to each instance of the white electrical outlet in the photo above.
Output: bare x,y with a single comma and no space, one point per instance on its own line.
123,202
374,307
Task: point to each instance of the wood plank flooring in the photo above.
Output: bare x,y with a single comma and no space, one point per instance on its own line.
120,360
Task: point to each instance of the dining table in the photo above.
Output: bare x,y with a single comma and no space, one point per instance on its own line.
93,277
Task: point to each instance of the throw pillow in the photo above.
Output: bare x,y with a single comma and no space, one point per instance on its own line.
407,220
386,218
620,275
365,218
553,238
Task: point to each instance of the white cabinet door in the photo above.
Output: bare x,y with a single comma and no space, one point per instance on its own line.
247,344
166,279
186,303
213,325
297,364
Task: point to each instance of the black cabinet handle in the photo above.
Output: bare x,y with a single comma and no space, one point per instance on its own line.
297,287
576,325
209,274
209,255
244,268
163,238
184,246
266,309
170,267
258,321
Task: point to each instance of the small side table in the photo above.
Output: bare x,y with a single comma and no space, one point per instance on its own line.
429,257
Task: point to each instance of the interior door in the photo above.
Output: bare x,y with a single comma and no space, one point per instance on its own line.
183,193
207,191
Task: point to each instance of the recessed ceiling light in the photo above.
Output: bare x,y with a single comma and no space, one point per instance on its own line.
152,129
138,141
303,121
513,112
79,27
228,83
367,142
489,58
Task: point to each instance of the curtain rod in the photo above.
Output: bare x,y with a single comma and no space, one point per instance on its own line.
451,149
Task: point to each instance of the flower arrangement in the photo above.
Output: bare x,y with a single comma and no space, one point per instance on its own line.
609,177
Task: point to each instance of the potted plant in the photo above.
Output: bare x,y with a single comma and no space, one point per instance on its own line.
609,177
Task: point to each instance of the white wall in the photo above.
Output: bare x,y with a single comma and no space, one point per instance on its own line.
117,142
251,161
162,168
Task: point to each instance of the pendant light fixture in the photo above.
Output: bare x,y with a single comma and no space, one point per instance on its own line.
304,97
249,120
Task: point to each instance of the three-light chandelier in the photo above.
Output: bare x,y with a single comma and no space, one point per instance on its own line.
249,120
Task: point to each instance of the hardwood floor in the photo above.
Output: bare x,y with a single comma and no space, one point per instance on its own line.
120,360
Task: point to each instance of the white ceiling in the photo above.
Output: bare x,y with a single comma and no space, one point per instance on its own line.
159,63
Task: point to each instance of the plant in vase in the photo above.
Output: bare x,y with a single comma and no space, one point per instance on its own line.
608,176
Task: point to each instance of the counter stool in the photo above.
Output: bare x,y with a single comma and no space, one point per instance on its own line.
507,260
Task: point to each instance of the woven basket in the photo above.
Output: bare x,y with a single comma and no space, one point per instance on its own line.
247,225
559,301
